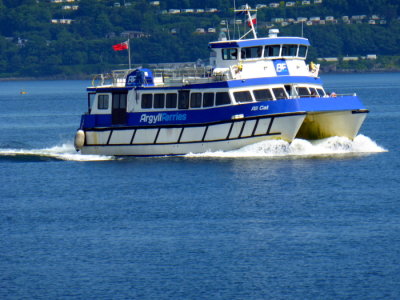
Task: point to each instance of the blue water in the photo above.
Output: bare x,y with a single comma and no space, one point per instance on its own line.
271,221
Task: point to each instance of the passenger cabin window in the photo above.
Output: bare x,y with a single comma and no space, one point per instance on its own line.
303,92
302,51
313,92
183,100
289,50
279,93
208,99
242,97
159,100
229,54
263,95
222,98
102,102
171,101
251,52
147,100
195,100
271,51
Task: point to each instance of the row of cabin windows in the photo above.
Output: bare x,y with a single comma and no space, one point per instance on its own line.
267,51
277,93
196,100
260,95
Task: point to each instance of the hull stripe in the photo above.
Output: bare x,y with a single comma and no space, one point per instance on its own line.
109,136
133,135
181,143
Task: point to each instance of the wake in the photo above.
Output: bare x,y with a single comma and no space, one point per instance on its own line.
63,152
333,146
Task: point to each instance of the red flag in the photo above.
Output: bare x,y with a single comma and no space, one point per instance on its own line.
252,20
122,46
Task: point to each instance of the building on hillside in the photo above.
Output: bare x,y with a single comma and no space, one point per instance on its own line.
315,19
328,59
277,20
133,34
350,58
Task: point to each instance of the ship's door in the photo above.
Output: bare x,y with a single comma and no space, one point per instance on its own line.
119,108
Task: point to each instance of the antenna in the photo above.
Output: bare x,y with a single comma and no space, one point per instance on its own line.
234,18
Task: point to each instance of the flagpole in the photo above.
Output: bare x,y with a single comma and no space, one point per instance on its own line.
129,53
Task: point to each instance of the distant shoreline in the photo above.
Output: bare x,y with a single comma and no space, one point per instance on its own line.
90,77
45,78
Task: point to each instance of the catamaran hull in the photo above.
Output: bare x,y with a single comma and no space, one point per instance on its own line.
319,125
160,141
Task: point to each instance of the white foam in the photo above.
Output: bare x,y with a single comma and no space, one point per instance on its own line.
62,152
326,147
269,149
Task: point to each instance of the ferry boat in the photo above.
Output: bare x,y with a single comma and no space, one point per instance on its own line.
254,90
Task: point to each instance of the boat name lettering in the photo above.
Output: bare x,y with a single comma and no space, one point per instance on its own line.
261,107
162,117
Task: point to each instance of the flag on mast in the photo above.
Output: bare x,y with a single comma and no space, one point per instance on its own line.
252,20
121,46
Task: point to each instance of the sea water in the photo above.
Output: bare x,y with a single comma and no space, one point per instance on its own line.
306,220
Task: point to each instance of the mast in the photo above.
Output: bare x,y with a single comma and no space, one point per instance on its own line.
129,53
247,10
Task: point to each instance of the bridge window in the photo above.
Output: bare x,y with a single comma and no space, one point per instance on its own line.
272,50
171,101
222,98
159,100
242,97
263,95
208,99
195,100
147,100
279,93
302,51
289,50
102,101
229,54
251,52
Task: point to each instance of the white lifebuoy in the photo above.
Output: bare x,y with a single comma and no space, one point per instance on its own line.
79,139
